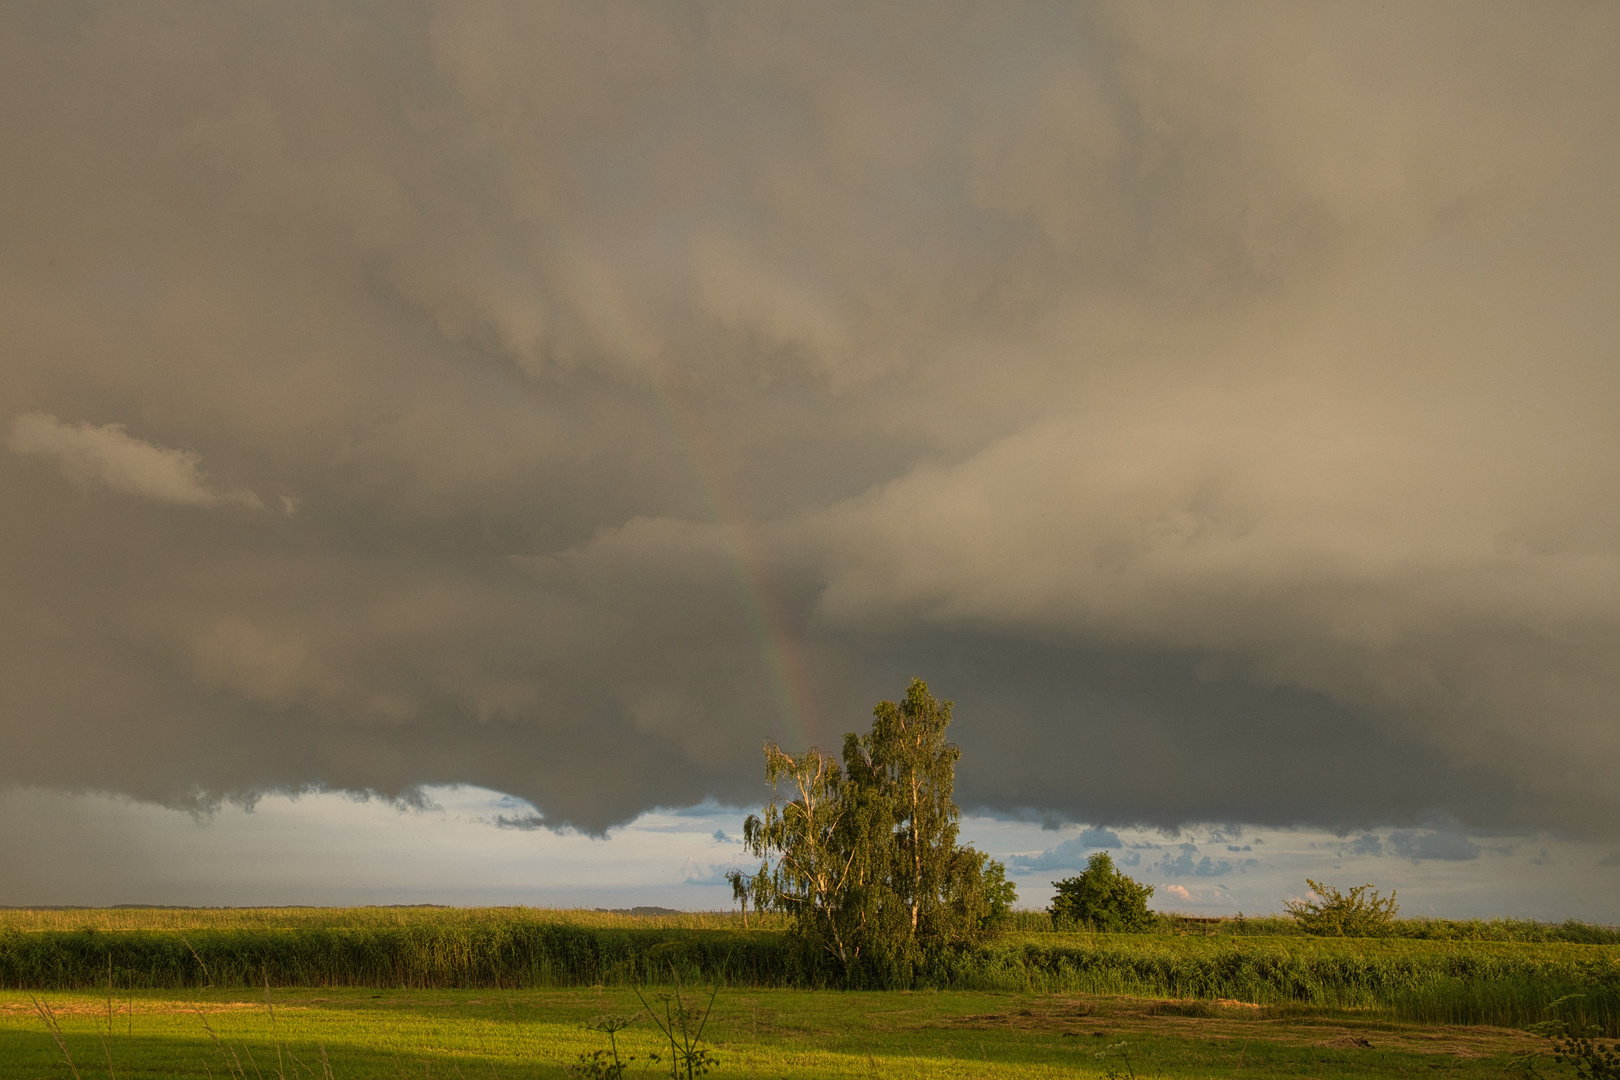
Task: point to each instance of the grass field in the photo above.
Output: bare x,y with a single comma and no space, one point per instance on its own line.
516,1035
407,992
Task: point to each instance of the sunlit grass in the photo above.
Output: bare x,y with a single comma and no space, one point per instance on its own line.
766,1033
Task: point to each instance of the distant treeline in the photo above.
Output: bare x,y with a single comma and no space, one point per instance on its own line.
1448,980
143,917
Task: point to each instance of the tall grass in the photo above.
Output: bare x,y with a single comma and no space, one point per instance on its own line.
1571,931
514,954
1437,981
1421,929
354,918
1021,922
1503,983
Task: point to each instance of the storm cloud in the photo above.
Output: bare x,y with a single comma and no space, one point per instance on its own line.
1216,402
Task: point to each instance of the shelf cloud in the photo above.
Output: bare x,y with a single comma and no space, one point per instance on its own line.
1215,402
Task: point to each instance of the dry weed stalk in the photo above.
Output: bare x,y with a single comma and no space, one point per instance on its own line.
106,1046
48,1015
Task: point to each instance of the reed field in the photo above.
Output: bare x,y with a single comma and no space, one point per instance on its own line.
360,918
1422,979
1021,922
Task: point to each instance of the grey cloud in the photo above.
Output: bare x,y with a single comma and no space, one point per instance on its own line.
1212,401
708,808
1190,864
1071,853
715,876
1420,845
1051,859
1367,844
524,823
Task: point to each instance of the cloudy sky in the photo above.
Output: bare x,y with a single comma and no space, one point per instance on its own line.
518,413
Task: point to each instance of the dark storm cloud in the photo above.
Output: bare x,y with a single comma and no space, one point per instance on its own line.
1216,402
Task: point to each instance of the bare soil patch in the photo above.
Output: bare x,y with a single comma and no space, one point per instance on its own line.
1224,1019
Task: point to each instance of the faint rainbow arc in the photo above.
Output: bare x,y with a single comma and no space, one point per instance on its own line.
784,655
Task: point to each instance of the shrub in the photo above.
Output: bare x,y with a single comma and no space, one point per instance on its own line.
1101,898
1356,913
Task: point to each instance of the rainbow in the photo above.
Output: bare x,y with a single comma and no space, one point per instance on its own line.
783,654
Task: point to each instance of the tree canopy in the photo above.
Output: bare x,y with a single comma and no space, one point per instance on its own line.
863,854
1101,898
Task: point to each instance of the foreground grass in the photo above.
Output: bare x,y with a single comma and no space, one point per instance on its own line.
760,1033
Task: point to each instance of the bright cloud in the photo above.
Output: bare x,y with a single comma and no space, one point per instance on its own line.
106,453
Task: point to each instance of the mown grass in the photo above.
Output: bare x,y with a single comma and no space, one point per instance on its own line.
790,1034
1503,983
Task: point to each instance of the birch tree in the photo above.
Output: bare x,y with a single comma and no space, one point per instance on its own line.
864,856
812,869
917,770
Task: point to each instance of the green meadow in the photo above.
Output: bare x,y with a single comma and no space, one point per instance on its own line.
422,992
356,1033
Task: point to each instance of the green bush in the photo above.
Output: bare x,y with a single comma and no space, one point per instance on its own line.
1357,913
1101,898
